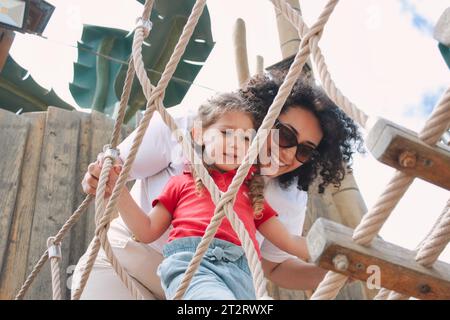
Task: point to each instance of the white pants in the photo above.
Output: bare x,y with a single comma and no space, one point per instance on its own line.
139,260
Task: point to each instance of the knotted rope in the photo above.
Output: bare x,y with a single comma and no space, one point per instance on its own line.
373,221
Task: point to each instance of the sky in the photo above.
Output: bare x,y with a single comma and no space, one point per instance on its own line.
380,53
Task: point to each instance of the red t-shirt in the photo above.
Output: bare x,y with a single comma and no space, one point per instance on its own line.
191,213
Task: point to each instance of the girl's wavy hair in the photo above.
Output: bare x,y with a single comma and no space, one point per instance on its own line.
341,136
208,113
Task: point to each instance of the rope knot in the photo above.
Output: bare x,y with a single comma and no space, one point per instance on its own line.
110,152
146,25
54,250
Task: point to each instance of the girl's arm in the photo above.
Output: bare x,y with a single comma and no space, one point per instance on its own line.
145,227
275,232
293,274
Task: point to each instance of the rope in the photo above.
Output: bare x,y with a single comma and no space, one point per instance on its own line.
103,214
438,122
124,98
431,246
436,242
57,240
228,197
54,254
364,233
397,296
330,286
383,294
373,221
329,86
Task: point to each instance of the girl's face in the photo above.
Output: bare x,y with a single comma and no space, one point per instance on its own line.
227,140
300,123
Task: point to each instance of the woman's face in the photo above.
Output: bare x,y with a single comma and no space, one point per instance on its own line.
306,127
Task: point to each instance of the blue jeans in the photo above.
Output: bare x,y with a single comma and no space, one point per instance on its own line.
222,275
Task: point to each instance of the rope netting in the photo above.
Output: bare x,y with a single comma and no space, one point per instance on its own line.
224,201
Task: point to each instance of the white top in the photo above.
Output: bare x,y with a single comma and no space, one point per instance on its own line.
160,157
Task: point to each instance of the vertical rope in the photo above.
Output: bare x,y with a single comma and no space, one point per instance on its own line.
57,239
54,254
436,242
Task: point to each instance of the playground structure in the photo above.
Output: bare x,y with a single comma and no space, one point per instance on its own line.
343,251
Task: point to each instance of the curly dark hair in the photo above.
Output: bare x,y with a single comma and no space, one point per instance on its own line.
341,136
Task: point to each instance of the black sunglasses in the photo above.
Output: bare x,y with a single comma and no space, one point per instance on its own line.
287,138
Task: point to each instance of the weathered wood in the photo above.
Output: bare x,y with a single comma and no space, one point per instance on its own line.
13,133
349,201
15,263
259,65
78,232
387,141
6,40
101,130
240,52
287,33
55,194
398,269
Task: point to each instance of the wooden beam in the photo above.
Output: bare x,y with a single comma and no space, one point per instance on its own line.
398,269
240,52
6,40
13,133
401,149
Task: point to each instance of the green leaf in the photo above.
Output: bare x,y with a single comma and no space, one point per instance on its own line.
98,82
18,90
445,51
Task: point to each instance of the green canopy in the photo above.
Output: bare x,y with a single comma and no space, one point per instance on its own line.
103,53
19,91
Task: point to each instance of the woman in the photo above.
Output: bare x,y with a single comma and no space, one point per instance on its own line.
313,138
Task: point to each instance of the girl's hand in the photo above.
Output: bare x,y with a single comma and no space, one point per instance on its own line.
90,180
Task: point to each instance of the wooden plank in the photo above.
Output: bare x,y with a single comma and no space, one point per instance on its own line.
13,133
387,140
101,130
55,194
78,232
323,206
15,263
6,40
398,269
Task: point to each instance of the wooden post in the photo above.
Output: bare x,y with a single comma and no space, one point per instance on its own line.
259,65
240,52
6,40
401,149
394,267
288,34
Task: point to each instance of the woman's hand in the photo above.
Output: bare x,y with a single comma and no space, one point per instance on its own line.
90,179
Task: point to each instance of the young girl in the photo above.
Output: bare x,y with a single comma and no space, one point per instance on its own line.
226,131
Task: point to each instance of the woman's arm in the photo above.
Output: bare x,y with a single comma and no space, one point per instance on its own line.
276,232
293,274
158,148
146,228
